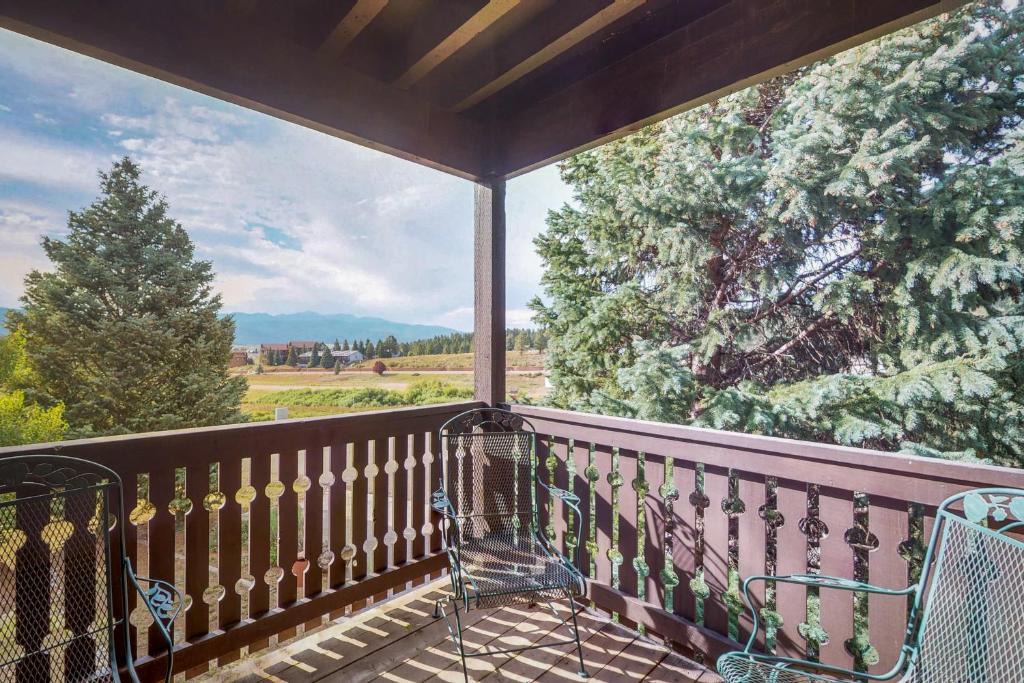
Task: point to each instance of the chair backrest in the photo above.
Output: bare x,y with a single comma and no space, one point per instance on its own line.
972,622
56,593
488,472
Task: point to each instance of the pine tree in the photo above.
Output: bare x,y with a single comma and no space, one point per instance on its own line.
345,347
836,254
314,357
337,344
370,350
125,330
327,362
293,358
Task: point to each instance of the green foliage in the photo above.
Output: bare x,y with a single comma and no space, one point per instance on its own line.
21,420
836,254
424,392
125,330
293,358
328,360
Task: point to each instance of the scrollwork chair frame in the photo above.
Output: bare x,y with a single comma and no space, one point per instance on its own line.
958,628
496,550
52,512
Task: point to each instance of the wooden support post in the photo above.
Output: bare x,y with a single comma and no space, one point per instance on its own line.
489,291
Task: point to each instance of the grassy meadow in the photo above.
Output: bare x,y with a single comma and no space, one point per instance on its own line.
409,381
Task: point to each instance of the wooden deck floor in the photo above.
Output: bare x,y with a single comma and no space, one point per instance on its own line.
400,641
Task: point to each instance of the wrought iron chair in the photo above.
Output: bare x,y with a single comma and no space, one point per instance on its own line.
498,555
965,624
61,530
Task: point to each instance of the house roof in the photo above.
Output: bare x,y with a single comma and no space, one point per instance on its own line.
483,89
274,347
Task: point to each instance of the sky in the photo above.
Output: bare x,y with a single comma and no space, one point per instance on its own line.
292,219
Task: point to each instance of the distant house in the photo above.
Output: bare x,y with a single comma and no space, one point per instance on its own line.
273,354
347,357
238,359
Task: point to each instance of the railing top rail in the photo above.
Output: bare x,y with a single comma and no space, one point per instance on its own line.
803,459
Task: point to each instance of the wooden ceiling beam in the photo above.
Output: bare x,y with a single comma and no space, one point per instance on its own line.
738,45
611,13
474,26
353,23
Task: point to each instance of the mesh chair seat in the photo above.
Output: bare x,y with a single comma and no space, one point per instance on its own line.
738,666
505,568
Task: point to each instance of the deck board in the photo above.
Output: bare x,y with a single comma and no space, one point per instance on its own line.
400,641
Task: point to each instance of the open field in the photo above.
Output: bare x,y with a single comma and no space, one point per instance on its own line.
313,393
527,360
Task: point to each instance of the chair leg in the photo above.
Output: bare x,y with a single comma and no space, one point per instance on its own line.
576,632
462,648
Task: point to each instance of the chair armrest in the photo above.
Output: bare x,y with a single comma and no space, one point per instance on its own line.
164,602
573,502
440,503
823,581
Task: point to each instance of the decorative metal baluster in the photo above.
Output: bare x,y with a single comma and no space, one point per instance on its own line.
913,549
861,541
550,463
614,554
815,529
700,502
733,506
773,521
669,494
641,487
570,525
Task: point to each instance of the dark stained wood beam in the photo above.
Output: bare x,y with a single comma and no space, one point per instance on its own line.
598,21
358,18
474,26
239,64
489,292
737,45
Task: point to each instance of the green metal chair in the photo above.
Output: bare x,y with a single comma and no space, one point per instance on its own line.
497,553
966,622
61,526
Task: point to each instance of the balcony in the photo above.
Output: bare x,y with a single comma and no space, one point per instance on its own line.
273,530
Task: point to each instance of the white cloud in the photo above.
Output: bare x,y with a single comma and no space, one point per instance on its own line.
291,218
21,227
4,108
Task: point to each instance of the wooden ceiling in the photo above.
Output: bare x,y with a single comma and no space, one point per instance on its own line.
479,88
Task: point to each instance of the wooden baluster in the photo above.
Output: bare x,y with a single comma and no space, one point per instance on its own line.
259,541
716,549
653,512
379,562
288,530
791,551
581,487
563,515
229,554
628,498
401,519
602,461
128,497
314,545
79,566
752,549
32,570
339,519
162,553
420,496
197,555
889,524
836,508
685,540
363,558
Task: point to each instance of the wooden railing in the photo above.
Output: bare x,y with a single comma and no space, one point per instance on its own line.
267,527
271,527
675,517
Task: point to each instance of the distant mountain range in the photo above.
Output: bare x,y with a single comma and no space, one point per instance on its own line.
256,328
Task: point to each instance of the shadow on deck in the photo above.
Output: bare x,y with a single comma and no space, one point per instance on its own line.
400,641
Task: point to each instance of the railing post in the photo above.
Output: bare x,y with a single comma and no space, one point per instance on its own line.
489,291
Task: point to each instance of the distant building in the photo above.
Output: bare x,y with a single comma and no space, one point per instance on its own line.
347,357
238,359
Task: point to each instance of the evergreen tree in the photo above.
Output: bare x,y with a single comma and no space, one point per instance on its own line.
125,330
835,254
337,344
370,350
314,357
327,362
293,358
345,347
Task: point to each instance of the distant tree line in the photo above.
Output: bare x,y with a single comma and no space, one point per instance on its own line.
516,339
